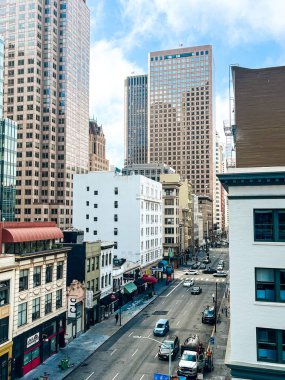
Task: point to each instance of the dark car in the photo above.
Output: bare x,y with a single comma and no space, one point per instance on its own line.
196,290
209,270
209,315
172,342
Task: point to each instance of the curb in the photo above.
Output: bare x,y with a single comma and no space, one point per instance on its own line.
120,327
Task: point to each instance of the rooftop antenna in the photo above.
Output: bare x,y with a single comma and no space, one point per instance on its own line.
180,44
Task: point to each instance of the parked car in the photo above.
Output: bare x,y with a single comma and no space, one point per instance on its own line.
220,267
193,271
209,270
203,266
207,260
188,283
220,273
194,266
161,327
196,290
209,315
172,342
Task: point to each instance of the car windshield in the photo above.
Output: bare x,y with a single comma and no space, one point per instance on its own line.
160,325
195,289
209,313
190,358
166,344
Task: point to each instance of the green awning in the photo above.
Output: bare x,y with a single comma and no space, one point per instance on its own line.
130,288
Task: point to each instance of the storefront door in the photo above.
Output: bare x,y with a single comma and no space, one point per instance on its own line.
31,359
4,363
49,347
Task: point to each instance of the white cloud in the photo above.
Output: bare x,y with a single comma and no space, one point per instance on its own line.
108,69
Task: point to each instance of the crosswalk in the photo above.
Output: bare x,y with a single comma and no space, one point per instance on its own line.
201,278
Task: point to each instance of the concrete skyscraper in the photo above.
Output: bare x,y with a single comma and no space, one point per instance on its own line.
180,113
97,148
46,91
136,134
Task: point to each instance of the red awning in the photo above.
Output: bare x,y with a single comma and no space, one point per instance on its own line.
150,279
19,235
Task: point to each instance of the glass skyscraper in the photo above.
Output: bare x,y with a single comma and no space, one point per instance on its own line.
46,91
136,132
180,113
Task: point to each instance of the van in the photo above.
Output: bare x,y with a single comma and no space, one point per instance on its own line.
161,327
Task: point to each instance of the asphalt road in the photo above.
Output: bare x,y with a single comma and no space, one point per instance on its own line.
124,357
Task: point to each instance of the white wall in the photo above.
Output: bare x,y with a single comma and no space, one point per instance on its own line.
134,193
245,256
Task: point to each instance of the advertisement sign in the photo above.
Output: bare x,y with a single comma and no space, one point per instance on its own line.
33,340
89,299
71,311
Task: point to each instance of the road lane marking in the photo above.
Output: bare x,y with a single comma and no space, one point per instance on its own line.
115,376
114,351
177,323
135,352
174,289
156,355
149,335
89,376
141,377
131,333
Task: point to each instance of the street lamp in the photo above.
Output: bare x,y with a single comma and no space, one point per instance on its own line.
162,344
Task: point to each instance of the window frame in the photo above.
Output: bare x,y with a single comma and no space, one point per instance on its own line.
275,224
278,343
277,285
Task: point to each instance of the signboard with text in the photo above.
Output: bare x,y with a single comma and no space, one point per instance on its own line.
71,312
33,340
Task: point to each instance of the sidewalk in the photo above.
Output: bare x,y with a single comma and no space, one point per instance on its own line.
82,347
221,372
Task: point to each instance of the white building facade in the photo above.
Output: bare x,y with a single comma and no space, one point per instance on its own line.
123,209
256,346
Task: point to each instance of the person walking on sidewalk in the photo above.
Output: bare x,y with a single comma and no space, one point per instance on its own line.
117,317
213,295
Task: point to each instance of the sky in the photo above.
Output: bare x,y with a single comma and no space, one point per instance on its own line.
250,33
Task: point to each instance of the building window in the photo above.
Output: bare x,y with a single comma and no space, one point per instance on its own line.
115,245
94,232
116,191
95,192
97,285
4,292
36,308
4,329
115,217
58,301
95,205
116,204
37,276
97,262
59,270
115,231
49,269
102,282
269,225
48,303
270,284
93,263
24,280
22,314
88,265
270,345
95,218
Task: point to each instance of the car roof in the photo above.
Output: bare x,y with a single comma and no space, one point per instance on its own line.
170,337
162,321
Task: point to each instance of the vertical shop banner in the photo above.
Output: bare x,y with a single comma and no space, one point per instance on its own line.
71,312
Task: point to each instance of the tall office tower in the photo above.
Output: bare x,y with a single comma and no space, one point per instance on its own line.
136,135
259,132
8,144
218,216
180,113
97,148
46,90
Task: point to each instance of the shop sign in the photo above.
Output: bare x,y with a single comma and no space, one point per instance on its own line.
71,312
33,340
89,299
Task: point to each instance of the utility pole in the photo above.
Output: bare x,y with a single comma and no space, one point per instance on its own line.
216,300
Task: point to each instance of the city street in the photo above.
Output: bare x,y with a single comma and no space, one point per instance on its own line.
125,357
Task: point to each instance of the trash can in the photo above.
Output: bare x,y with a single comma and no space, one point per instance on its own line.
64,364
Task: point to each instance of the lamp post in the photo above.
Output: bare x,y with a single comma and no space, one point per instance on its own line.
163,344
216,306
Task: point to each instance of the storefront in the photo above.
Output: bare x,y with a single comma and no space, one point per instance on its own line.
75,311
5,361
107,306
37,344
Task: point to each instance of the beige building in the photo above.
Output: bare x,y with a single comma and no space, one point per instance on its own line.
177,217
46,91
206,209
180,113
97,148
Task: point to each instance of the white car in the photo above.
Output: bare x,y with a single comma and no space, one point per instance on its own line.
220,274
220,267
188,283
193,271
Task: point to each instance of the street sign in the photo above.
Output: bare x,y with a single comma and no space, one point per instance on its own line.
156,269
212,340
160,376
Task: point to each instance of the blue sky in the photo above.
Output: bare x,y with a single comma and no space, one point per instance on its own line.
248,32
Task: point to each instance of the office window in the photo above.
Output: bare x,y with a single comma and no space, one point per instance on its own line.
269,225
59,270
103,260
4,292
49,269
93,285
97,285
115,217
22,314
95,205
116,191
270,284
88,265
97,262
4,329
37,276
36,307
24,279
95,192
115,231
94,232
102,282
58,301
95,219
48,303
270,345
116,204
93,263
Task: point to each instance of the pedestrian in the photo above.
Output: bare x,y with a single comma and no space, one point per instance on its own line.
226,310
213,295
116,317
